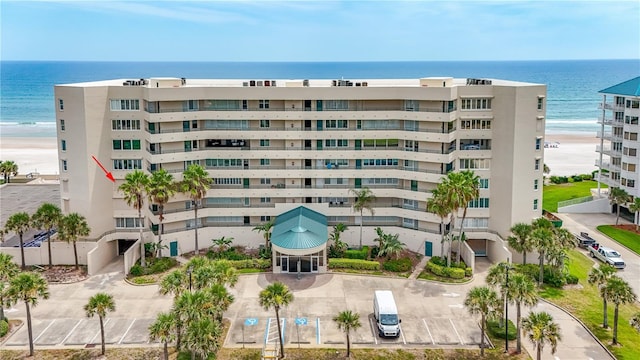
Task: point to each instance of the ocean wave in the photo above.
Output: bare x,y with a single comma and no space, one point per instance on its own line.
47,124
573,121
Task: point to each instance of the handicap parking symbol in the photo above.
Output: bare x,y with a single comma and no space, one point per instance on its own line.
301,321
251,321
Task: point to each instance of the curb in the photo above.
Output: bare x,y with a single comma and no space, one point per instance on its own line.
582,324
616,241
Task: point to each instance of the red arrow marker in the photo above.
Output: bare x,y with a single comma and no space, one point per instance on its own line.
107,173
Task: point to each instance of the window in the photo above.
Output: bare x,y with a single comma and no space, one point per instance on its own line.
230,181
263,104
476,104
535,184
63,145
265,181
336,143
479,203
336,104
265,200
628,167
226,124
633,104
265,162
484,183
475,163
265,218
129,223
264,142
535,204
223,162
222,104
380,181
264,123
409,223
410,204
60,104
538,143
379,162
540,102
192,105
478,223
62,128
475,124
125,124
125,105
537,165
64,165
630,151
631,120
336,124
126,144
127,164
630,136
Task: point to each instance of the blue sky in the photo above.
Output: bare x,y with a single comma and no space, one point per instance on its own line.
319,30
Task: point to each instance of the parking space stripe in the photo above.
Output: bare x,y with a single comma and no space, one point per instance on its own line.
98,333
456,331
318,331
428,331
266,330
43,331
284,323
125,333
375,332
71,332
402,334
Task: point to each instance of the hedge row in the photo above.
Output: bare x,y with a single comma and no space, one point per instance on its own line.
154,266
450,272
361,254
251,263
397,265
493,326
353,264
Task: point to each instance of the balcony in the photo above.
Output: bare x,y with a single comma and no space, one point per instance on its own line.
303,109
307,128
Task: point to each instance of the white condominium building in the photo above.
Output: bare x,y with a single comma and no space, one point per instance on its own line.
619,148
271,146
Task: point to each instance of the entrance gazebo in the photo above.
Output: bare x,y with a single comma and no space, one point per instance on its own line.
299,242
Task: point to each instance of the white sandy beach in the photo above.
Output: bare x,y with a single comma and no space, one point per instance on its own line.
574,154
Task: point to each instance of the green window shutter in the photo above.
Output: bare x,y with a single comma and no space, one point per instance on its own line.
318,105
186,126
136,144
358,183
414,185
358,163
319,144
117,144
358,144
319,124
126,144
152,128
245,183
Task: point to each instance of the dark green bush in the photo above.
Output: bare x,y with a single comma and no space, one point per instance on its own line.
374,252
136,270
399,265
4,328
450,272
559,179
160,265
551,276
438,260
353,264
586,176
576,178
251,263
493,326
229,254
357,254
571,279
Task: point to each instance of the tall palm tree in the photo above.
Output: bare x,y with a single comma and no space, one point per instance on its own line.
483,301
223,243
469,191
19,223
220,298
634,208
8,169
521,291
161,189
46,218
134,189
201,336
618,197
521,239
276,296
71,227
497,279
339,245
163,330
599,276
100,304
391,246
224,273
438,204
541,329
542,239
618,292
175,283
195,183
363,200
347,321
8,269
28,287
191,308
265,228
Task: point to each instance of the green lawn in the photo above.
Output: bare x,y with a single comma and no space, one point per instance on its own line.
552,194
626,238
586,304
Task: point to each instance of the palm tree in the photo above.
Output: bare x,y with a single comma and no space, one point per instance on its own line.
19,223
619,292
46,218
221,299
347,321
27,287
599,277
363,200
484,301
635,321
134,188
437,204
7,271
634,208
163,329
100,304
338,245
71,227
266,230
618,197
195,183
160,189
8,169
190,308
175,283
201,336
276,296
541,329
391,246
542,239
521,291
521,240
224,273
497,279
469,191
223,243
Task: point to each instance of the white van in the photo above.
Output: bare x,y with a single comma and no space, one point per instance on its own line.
386,313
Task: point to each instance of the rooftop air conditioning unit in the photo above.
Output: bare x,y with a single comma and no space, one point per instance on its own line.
245,83
252,83
259,83
305,82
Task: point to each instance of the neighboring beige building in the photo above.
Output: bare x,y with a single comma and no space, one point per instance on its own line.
273,145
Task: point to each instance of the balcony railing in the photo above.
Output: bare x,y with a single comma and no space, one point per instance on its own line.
304,109
298,148
282,128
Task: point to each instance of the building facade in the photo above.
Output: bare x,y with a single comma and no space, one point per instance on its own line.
619,144
273,145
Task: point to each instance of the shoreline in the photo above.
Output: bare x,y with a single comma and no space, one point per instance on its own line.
575,153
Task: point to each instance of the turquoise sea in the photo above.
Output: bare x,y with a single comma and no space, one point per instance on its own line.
27,104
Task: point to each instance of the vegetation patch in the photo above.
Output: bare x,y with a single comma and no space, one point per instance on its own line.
397,265
627,238
4,328
360,254
561,192
153,272
438,267
373,354
128,353
497,331
353,264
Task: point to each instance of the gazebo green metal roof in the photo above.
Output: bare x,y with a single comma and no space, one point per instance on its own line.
629,88
299,228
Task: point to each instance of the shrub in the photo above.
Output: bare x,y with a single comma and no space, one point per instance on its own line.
576,178
493,326
353,264
571,279
550,276
136,270
468,272
161,265
450,272
251,264
559,179
4,328
456,273
586,176
439,260
357,254
399,265
229,254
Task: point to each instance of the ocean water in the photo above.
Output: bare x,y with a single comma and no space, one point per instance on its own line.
27,103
